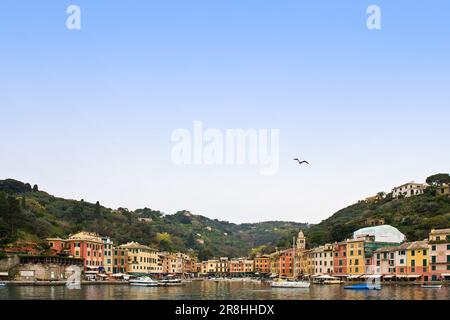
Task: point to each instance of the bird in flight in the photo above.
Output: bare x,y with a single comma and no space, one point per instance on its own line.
301,162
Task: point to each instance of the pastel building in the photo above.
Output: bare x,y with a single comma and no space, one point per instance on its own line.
82,245
120,259
340,258
439,253
262,264
108,254
141,259
417,260
409,189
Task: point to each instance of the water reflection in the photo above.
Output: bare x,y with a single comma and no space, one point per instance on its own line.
221,290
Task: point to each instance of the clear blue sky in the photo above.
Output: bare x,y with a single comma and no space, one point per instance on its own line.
89,113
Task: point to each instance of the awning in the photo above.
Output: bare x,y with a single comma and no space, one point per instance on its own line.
388,276
445,274
413,276
354,276
371,276
91,272
325,277
4,274
118,275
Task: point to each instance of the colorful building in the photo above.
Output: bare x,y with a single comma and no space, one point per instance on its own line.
120,259
108,254
142,259
262,264
83,245
340,258
439,253
355,257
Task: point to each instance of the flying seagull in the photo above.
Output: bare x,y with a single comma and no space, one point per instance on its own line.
301,162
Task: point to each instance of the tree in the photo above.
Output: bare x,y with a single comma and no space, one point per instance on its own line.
23,202
35,188
438,179
97,210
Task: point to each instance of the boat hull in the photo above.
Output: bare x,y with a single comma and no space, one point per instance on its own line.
362,287
287,284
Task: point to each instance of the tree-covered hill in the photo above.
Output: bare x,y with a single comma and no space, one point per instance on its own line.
29,214
414,216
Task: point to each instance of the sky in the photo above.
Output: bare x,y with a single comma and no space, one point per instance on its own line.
89,114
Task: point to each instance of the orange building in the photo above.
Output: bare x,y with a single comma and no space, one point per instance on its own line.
262,264
340,258
285,263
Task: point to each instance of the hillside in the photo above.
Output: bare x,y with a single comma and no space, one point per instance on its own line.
29,214
414,217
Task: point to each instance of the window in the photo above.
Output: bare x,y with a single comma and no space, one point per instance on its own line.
433,259
433,247
413,253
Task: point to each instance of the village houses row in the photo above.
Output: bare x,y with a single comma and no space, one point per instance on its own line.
380,250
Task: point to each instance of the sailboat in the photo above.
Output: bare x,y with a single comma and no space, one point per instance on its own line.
281,283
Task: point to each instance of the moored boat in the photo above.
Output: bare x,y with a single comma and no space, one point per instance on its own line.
432,286
363,286
171,282
289,284
143,282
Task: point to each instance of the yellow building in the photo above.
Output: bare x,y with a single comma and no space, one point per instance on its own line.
417,256
355,257
142,259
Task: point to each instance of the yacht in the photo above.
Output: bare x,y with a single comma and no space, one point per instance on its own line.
143,282
289,284
171,282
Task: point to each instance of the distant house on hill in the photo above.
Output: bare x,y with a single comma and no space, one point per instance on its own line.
409,189
443,190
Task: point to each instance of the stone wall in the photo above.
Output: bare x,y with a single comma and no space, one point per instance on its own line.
40,272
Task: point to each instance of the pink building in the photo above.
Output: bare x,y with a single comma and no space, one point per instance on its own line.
439,248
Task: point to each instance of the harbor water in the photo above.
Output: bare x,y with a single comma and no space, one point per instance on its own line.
230,290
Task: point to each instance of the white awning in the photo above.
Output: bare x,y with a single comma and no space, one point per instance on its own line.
388,276
118,275
354,276
445,274
4,274
326,277
371,276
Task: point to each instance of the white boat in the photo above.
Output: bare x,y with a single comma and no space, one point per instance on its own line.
432,286
2,284
143,282
171,282
289,284
326,279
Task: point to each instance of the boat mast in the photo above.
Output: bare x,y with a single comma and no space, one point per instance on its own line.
293,253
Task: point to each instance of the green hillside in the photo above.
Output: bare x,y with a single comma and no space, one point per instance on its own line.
414,217
29,214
